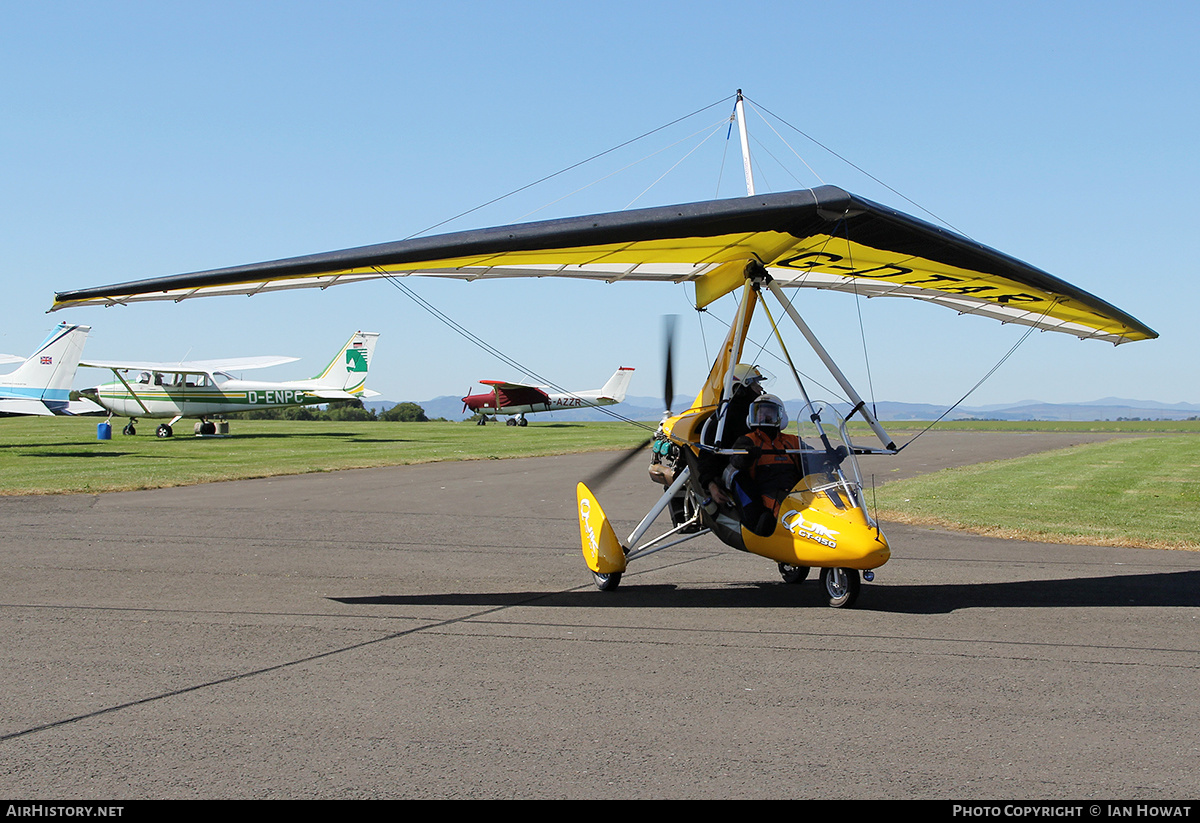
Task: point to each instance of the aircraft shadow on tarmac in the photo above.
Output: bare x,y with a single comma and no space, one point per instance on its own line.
1116,591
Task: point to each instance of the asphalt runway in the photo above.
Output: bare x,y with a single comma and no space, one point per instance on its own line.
432,632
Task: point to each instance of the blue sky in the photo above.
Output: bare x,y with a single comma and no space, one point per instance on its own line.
147,139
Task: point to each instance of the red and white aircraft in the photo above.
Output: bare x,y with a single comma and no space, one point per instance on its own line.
518,400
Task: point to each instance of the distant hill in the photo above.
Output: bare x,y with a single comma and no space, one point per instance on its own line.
650,409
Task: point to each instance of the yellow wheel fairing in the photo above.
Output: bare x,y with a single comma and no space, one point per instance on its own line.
602,551
813,531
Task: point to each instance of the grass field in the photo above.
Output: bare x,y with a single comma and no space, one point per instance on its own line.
1141,491
1132,492
62,455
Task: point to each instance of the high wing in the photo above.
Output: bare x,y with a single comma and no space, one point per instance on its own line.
821,238
6,359
516,394
191,366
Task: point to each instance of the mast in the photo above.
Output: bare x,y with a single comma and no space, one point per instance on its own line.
859,404
740,110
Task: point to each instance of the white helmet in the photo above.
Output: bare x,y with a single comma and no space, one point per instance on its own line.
747,375
767,411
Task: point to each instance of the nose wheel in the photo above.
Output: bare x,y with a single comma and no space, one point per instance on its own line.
841,586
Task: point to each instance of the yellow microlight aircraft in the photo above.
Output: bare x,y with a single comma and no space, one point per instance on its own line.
821,238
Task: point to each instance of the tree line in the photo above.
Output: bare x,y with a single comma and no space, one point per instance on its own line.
338,410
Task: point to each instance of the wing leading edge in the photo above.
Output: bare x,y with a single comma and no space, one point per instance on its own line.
192,366
821,238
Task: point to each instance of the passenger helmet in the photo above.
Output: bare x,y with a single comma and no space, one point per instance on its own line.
767,411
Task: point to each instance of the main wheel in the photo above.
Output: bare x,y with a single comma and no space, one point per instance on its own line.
163,431
512,421
607,582
841,586
793,574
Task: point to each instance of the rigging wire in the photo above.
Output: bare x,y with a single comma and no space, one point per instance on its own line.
724,157
492,350
471,337
857,294
631,165
862,329
475,339
677,162
865,172
565,170
971,391
764,350
775,131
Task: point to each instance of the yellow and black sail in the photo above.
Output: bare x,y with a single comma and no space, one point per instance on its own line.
823,238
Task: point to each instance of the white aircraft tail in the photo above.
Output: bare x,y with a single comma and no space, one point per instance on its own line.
42,384
617,384
348,369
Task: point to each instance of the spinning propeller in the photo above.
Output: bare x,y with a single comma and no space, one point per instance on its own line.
602,475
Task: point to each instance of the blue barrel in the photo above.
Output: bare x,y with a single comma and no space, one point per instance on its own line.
104,431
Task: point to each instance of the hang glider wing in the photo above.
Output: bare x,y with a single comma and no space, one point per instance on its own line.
191,366
821,238
516,394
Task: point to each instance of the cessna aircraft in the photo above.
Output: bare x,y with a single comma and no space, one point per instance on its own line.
752,247
205,388
42,384
519,400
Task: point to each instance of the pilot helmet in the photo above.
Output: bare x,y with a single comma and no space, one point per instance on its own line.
767,411
745,374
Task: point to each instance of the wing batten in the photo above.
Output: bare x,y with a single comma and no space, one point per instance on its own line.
819,238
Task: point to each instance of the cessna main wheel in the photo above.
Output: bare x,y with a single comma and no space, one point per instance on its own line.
841,586
163,431
793,574
607,582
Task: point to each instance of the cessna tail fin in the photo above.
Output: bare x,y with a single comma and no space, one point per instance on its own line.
617,384
348,369
42,384
601,548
